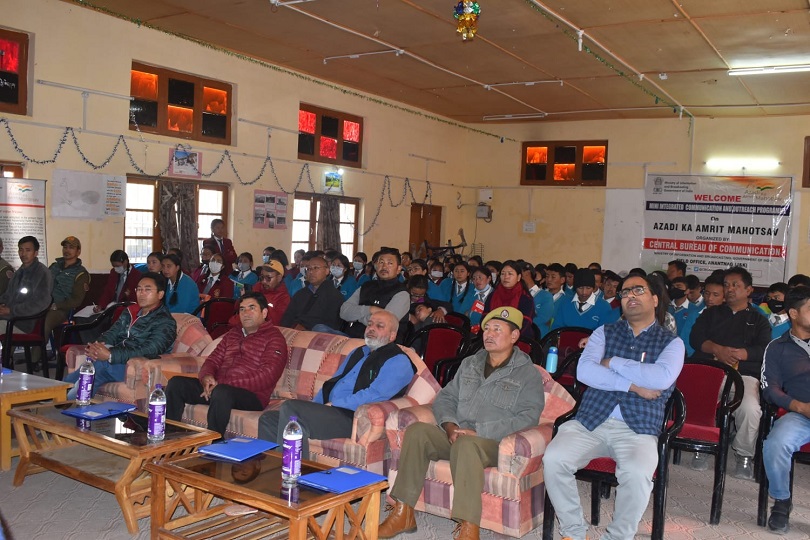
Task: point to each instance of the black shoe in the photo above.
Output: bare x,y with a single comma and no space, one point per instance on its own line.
779,522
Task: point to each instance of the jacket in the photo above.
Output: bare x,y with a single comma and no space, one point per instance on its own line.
509,400
228,252
150,335
127,292
6,273
183,296
70,284
28,293
253,362
786,371
277,299
308,309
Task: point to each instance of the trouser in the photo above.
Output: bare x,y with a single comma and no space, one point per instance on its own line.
789,433
468,456
573,447
327,330
105,373
317,421
53,319
747,417
224,398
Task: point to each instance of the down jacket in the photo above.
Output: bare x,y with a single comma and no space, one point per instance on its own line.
149,336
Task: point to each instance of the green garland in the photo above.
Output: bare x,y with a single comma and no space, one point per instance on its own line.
290,72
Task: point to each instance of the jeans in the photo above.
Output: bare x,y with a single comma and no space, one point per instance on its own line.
789,433
105,373
327,330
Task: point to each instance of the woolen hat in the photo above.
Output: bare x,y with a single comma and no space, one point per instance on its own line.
584,278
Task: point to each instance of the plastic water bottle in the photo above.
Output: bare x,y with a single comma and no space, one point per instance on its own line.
157,414
291,452
87,374
551,360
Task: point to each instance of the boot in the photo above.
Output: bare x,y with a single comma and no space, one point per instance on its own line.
399,520
467,531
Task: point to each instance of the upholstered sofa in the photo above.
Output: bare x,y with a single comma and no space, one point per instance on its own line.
312,359
514,491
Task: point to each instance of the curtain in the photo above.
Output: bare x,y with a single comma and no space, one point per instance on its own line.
177,217
329,223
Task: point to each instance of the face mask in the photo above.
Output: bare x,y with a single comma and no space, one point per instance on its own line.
265,259
676,294
357,266
494,277
215,267
336,271
120,269
304,271
436,273
776,305
244,267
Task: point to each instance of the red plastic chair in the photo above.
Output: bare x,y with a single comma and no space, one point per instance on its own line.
35,338
438,341
215,315
566,340
458,319
708,420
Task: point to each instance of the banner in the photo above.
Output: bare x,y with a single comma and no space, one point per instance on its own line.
22,213
712,222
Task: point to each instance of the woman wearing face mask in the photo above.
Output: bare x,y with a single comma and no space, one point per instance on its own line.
359,268
182,295
494,268
441,286
267,253
121,282
216,285
244,277
200,274
342,277
511,291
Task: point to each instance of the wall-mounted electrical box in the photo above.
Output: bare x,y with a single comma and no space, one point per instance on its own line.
483,211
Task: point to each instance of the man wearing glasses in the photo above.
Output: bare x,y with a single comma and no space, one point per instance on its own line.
314,304
144,329
630,368
271,286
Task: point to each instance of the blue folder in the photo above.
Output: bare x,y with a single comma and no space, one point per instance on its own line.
237,449
340,479
97,411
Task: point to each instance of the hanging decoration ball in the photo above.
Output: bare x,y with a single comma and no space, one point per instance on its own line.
466,13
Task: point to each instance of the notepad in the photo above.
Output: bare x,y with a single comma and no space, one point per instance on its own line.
237,449
340,479
98,411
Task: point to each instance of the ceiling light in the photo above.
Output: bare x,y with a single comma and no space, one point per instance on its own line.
734,164
769,70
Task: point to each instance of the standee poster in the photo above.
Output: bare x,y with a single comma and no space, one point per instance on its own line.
22,213
713,222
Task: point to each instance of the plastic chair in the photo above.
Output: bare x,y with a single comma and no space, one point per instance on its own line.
215,314
533,349
769,415
708,422
601,472
438,341
566,340
35,338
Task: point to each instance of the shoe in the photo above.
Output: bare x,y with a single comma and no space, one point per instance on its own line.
779,522
745,468
700,462
467,531
399,520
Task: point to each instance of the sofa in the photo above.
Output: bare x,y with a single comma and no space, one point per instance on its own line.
514,491
312,359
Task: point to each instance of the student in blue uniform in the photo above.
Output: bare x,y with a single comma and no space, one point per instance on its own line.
584,309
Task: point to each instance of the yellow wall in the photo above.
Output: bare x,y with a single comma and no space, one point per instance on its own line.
75,46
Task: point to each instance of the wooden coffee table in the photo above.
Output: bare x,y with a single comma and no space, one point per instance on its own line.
204,488
110,455
18,389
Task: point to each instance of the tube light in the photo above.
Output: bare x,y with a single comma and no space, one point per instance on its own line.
732,164
769,70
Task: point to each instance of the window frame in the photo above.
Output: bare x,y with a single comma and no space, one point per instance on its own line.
551,147
313,198
14,166
164,74
319,113
21,107
157,243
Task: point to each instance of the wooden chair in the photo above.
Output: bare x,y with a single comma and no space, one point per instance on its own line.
601,472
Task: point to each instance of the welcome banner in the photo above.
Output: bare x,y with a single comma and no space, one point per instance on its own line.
712,222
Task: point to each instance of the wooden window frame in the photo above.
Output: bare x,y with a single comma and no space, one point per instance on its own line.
319,113
313,218
551,147
806,164
21,107
14,166
196,134
157,243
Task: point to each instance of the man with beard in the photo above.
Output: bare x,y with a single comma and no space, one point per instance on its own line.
377,371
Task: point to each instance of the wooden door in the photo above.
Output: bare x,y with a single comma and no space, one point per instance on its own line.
426,224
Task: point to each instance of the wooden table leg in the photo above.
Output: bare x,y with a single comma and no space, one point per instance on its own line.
372,515
25,449
5,435
298,529
158,508
122,494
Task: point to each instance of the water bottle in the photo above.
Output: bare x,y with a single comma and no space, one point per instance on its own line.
157,414
87,374
551,360
291,452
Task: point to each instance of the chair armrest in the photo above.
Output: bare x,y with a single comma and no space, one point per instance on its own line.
148,372
398,421
369,419
521,453
73,356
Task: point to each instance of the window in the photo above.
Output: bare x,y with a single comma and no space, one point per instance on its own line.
11,169
329,136
141,231
564,163
179,105
305,223
13,72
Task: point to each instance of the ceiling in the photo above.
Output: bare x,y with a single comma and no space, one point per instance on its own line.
639,58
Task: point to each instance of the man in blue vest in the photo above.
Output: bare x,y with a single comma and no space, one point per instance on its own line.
630,368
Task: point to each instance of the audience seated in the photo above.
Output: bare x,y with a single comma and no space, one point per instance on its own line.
121,282
583,309
775,297
512,292
271,285
201,273
243,277
182,295
6,271
341,275
216,284
218,243
679,306
317,303
29,291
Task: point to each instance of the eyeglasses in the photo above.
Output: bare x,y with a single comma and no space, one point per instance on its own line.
638,290
308,268
268,279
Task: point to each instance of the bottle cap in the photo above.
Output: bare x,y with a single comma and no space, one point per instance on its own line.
158,385
552,349
293,419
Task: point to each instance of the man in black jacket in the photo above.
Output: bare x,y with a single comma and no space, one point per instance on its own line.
316,303
736,334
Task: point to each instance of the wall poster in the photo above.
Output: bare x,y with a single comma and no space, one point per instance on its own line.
22,213
269,209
